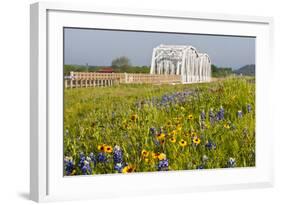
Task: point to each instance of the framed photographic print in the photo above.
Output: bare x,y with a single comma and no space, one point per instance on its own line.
127,101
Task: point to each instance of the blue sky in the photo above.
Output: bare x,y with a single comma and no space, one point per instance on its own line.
100,47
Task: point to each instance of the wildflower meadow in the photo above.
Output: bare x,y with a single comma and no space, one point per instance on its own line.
145,128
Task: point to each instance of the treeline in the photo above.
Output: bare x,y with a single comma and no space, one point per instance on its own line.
123,65
132,69
216,71
220,72
84,68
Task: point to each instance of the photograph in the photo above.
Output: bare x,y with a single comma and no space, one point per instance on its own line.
149,101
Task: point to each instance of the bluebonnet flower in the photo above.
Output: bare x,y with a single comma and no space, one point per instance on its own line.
210,145
220,114
249,108
163,165
231,162
86,168
212,116
68,165
82,159
200,166
118,167
239,113
102,157
117,154
166,100
152,131
84,164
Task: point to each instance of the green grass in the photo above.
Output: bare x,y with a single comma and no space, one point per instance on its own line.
97,116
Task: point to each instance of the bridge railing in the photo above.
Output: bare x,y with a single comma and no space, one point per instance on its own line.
91,79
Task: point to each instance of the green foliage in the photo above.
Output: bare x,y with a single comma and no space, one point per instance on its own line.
123,115
248,70
120,62
130,69
79,68
220,72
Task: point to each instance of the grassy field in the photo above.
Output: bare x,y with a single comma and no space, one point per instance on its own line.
139,128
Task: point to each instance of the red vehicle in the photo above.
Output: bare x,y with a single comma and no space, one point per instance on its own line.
106,70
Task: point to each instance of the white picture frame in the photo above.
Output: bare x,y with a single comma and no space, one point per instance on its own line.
46,178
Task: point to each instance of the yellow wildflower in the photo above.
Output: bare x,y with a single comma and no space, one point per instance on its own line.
144,153
155,155
128,169
108,149
161,136
226,126
182,143
196,140
179,128
162,156
173,139
134,117
101,147
173,133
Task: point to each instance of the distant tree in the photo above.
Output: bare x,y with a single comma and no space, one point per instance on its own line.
121,62
214,68
220,71
79,68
